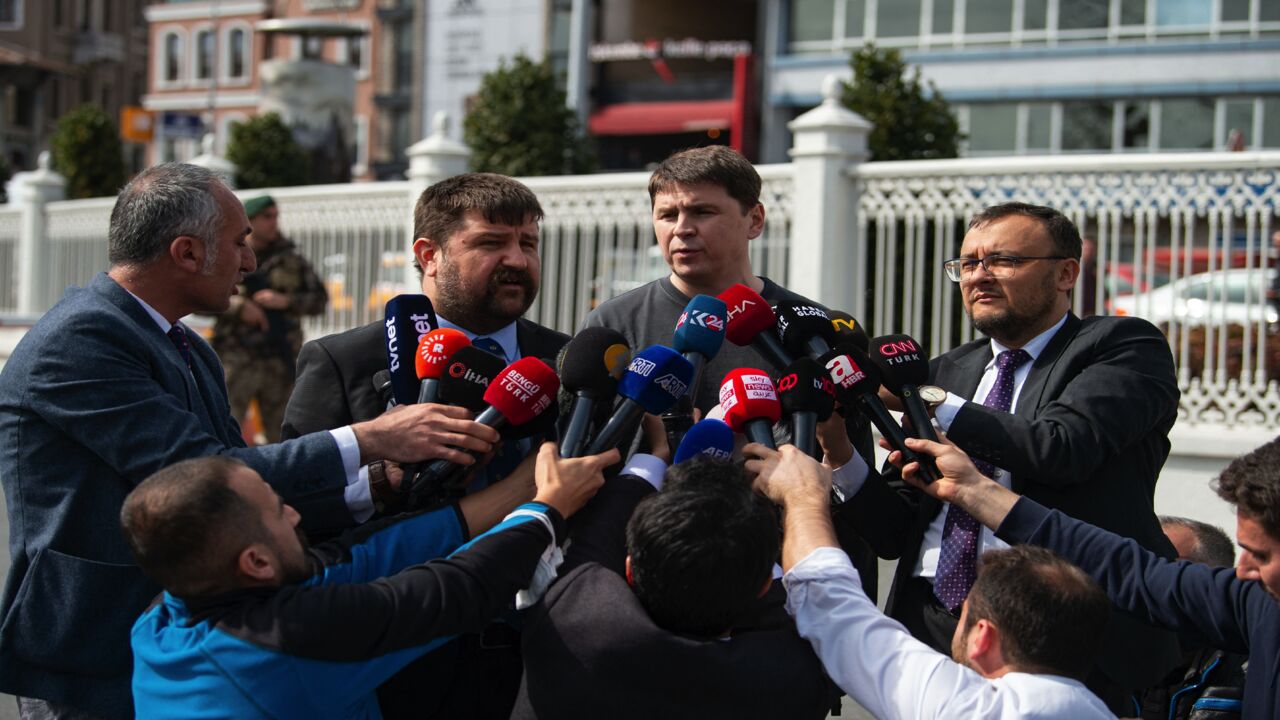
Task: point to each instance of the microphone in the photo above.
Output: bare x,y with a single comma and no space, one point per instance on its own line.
590,366
751,405
382,386
857,381
904,368
699,334
654,380
407,319
434,349
808,397
466,377
752,322
849,331
712,438
805,329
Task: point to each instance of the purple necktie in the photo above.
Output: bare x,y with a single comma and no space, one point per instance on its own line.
178,337
958,556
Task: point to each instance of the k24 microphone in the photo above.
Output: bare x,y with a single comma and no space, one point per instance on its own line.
407,318
699,334
750,403
903,369
752,322
712,438
590,366
654,380
434,350
807,398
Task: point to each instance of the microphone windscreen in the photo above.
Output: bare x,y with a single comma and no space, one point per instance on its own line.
523,390
593,360
798,322
749,394
434,350
901,361
804,385
656,378
851,372
466,377
748,314
707,437
408,317
849,331
542,424
701,327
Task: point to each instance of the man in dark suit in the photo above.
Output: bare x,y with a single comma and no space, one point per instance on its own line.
106,389
1073,413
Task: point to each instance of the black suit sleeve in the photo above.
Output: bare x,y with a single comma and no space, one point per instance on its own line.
319,399
883,512
599,532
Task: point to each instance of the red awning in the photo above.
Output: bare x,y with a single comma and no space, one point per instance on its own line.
661,118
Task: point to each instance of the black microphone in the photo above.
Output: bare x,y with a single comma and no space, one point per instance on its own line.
382,386
408,317
466,376
904,368
849,331
654,380
805,329
808,397
590,366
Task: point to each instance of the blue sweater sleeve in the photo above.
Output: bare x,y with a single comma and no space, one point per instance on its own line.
384,548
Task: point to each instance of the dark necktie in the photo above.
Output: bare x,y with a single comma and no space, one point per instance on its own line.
490,346
178,337
958,556
510,452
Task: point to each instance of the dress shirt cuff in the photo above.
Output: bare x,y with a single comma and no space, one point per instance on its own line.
349,449
359,497
849,477
945,413
650,468
821,564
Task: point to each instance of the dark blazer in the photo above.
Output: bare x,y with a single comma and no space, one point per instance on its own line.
93,400
1088,437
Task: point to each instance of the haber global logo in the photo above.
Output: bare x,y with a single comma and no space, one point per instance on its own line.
642,367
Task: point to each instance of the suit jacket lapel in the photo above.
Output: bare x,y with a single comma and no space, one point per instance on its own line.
111,291
1032,395
961,373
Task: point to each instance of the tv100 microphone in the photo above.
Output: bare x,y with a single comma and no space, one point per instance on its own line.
752,322
807,398
654,380
434,350
407,318
750,403
849,331
712,438
590,366
903,369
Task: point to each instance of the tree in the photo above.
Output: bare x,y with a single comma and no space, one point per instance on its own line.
520,125
87,151
266,155
909,123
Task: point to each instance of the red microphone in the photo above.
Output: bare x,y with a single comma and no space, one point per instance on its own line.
752,322
434,350
750,403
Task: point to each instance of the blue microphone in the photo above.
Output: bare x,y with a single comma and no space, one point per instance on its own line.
656,378
709,437
408,317
699,335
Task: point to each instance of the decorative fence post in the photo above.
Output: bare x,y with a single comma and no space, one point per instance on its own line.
38,188
431,160
824,240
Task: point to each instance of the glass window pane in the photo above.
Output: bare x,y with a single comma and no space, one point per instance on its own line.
988,16
900,18
1035,14
1186,124
1239,119
1175,13
1271,122
237,53
1086,125
1137,125
1133,12
855,18
172,57
1269,11
1235,10
1039,126
1082,14
943,14
204,54
812,19
993,127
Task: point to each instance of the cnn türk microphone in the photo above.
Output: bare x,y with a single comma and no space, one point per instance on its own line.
467,375
752,322
750,403
434,350
654,380
807,398
849,331
699,334
407,319
805,329
712,438
857,382
904,368
590,366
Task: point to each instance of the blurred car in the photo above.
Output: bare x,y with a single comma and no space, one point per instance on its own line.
1223,296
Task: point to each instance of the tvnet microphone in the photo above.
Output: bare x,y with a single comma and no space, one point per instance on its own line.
654,380
857,382
467,375
590,366
434,350
750,403
407,319
849,331
807,397
712,438
903,368
699,334
805,329
752,322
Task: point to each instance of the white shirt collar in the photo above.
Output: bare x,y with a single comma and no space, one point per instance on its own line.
160,319
1035,346
506,337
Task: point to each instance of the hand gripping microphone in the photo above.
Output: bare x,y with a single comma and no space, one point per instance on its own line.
408,318
849,331
752,322
434,350
712,438
805,329
466,377
807,397
857,382
750,403
903,368
699,334
654,380
590,366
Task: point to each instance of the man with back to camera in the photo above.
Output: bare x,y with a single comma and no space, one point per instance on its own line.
109,387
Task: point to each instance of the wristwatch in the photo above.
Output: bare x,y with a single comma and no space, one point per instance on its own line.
932,395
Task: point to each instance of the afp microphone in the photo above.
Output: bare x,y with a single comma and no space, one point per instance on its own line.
407,319
752,322
654,380
712,438
750,403
590,366
805,329
807,398
434,350
903,369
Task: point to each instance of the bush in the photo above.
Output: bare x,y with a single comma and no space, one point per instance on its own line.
907,124
266,155
87,151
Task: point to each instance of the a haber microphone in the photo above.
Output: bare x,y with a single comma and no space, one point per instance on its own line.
849,331
434,350
805,329
590,366
712,438
752,322
407,319
857,383
807,398
466,377
750,403
654,380
904,368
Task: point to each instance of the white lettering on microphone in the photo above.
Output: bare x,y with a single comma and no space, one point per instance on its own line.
844,372
521,388
642,367
393,347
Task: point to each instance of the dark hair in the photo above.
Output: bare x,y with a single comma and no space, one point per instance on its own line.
1213,547
1252,484
712,165
160,204
1062,232
185,524
498,198
1050,614
702,549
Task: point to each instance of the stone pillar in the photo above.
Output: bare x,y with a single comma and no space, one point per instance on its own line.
35,190
431,160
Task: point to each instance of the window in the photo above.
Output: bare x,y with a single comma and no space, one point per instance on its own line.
172,57
943,16
360,146
1086,125
993,128
1186,124
1040,127
83,12
1136,133
11,14
812,19
1176,13
1083,14
313,48
355,51
900,18
1237,117
237,53
855,18
988,16
1271,122
1035,14
204,54
58,19
1235,10
1133,12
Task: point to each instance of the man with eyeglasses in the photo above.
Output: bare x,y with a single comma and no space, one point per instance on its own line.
1073,413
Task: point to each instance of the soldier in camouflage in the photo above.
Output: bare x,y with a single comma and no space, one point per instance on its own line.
258,338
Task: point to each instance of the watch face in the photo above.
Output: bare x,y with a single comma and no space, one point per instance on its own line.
932,394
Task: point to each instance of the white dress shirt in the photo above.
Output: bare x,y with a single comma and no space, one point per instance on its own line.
876,661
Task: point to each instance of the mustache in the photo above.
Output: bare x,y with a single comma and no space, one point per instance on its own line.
519,277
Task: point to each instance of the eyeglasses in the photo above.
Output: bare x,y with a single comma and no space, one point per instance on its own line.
997,266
